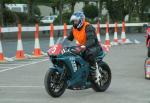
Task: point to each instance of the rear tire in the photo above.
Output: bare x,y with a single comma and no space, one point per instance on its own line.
51,83
105,80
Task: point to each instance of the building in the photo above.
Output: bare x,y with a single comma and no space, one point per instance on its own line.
17,7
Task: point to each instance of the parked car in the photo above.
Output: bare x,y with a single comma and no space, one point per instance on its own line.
48,19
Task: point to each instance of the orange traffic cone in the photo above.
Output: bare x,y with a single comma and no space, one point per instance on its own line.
1,49
115,33
98,32
123,35
65,31
37,50
51,43
20,51
105,48
107,40
1,53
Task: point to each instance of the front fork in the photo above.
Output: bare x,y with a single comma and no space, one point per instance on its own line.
60,72
98,73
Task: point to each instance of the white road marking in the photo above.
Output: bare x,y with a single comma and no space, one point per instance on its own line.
8,64
20,86
4,67
22,65
58,40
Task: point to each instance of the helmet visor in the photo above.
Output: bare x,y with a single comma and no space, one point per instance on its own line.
73,17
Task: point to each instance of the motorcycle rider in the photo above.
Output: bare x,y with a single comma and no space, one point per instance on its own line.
84,33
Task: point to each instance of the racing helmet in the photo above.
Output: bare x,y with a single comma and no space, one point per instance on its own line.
80,17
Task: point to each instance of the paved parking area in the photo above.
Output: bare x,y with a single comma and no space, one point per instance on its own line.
20,63
23,81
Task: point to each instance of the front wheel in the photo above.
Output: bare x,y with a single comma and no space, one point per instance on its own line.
104,81
54,84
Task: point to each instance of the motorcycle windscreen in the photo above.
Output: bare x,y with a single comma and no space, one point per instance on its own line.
55,50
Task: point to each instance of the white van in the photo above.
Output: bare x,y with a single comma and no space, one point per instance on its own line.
17,7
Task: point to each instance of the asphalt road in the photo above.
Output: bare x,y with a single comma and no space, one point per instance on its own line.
22,81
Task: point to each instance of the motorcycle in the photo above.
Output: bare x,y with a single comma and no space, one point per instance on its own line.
71,71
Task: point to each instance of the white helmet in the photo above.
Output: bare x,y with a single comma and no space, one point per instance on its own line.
78,16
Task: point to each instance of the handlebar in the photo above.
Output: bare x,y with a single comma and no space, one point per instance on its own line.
73,49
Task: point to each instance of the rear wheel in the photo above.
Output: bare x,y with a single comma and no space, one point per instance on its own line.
104,81
54,84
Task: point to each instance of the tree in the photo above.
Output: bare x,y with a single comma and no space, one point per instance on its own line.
55,4
141,6
118,9
72,3
90,11
2,8
100,2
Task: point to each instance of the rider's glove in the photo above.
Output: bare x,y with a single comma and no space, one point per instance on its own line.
80,49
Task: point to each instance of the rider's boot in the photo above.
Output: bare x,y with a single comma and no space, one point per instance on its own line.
93,72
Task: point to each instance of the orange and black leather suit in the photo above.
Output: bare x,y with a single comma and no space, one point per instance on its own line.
86,36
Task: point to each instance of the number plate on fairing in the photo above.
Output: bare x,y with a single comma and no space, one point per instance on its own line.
55,50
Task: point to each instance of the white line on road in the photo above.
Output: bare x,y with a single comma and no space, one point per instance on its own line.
58,40
8,64
4,67
22,66
20,86
15,63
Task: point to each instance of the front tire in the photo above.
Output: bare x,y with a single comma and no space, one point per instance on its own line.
53,85
105,80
